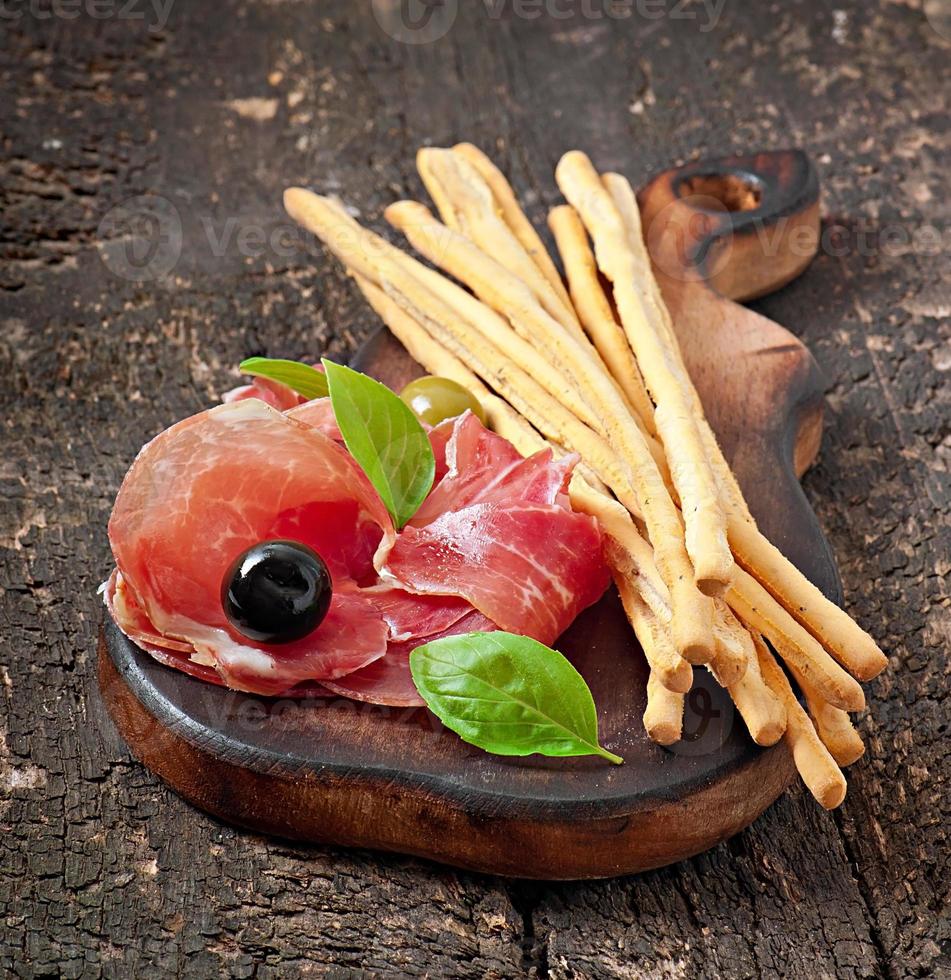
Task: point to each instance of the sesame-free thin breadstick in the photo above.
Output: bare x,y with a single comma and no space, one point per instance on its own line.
464,196
816,766
664,714
762,711
513,216
730,662
832,626
595,313
833,725
705,521
672,671
762,614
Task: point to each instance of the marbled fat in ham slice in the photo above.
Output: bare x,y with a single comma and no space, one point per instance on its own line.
482,467
494,546
531,568
212,486
389,680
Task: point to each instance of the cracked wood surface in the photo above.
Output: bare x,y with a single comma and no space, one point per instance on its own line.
102,870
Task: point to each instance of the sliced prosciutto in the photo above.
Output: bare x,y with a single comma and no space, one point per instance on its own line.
497,530
270,392
530,568
212,486
482,467
388,680
494,546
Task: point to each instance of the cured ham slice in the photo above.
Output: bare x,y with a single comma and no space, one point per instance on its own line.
318,414
270,392
531,568
411,616
482,467
131,618
212,486
388,680
494,546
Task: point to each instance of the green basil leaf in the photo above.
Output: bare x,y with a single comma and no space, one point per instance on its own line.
508,694
304,379
385,438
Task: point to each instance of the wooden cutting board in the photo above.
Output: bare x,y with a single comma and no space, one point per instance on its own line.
332,770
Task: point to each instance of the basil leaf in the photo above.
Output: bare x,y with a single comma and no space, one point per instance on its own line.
508,694
304,379
385,438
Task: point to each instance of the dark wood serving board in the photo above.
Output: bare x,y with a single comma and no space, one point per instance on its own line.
332,770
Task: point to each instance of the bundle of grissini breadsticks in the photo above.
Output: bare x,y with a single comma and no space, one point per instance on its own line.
598,372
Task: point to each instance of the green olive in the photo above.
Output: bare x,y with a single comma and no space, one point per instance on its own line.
436,399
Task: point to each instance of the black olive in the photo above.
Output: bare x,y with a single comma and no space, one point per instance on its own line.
277,591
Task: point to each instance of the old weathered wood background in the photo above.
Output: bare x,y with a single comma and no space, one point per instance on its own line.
209,114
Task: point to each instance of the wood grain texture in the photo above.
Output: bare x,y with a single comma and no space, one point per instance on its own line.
105,872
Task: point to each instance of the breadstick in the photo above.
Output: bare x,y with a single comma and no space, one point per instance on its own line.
513,216
761,614
829,624
834,726
672,671
762,711
637,563
435,189
463,196
469,201
664,715
729,664
502,418
705,520
837,632
816,766
363,251
692,617
595,312
654,637
495,328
